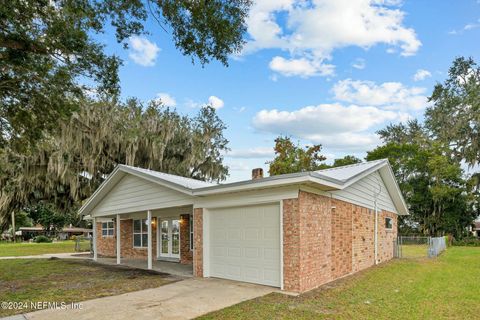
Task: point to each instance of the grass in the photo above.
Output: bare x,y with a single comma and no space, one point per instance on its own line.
441,288
55,280
30,249
414,250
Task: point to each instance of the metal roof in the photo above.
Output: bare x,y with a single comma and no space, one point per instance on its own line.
346,173
330,179
178,180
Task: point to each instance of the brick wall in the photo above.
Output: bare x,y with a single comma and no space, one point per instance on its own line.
386,237
363,238
315,240
291,244
341,249
107,246
322,243
198,242
186,255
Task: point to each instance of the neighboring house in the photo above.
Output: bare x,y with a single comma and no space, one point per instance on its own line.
66,233
475,229
293,231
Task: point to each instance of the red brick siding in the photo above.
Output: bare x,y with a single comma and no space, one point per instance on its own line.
386,237
341,238
186,255
363,238
106,246
198,242
291,244
321,244
315,240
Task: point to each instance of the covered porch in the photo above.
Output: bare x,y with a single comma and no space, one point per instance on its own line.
156,239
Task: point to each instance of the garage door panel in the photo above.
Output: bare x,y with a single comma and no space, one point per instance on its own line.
245,245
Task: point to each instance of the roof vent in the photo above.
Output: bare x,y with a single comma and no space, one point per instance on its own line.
257,173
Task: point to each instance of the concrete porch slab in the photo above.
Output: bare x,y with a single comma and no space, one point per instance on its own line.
174,268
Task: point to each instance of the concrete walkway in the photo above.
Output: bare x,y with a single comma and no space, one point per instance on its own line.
184,299
73,255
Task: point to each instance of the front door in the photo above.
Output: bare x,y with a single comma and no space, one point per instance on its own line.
170,238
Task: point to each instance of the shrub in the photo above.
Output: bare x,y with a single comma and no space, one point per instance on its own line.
469,242
42,239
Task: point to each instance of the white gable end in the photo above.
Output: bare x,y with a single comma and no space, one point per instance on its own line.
132,194
363,193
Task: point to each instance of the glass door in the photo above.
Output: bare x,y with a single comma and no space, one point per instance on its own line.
170,238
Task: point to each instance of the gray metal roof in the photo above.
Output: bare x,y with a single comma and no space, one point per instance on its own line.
331,179
178,180
346,173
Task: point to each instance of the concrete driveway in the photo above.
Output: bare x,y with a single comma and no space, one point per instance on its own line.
184,299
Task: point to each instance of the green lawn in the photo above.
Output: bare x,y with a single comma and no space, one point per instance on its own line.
414,250
29,249
55,280
443,288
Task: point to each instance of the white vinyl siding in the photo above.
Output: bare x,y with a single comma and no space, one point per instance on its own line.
362,193
245,244
133,194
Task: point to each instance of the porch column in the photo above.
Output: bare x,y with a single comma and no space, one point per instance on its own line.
149,247
94,229
118,239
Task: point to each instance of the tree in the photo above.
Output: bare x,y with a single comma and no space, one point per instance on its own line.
291,158
70,165
49,48
345,161
50,220
454,117
433,184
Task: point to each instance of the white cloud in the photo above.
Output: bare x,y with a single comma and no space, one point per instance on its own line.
142,51
313,30
359,63
258,152
388,95
334,125
467,27
421,74
166,99
215,102
302,67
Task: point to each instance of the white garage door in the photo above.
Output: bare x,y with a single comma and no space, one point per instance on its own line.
245,244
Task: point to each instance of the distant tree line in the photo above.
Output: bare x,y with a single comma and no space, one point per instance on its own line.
428,159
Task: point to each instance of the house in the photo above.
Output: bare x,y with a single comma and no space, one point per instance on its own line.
293,231
65,233
475,229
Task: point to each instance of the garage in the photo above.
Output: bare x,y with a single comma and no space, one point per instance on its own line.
245,244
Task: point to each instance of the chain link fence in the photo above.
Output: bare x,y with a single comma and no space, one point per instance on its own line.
418,246
83,244
437,245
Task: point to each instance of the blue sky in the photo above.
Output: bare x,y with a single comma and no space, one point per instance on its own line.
330,72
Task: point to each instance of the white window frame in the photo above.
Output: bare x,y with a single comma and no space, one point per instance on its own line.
190,225
107,228
391,223
143,230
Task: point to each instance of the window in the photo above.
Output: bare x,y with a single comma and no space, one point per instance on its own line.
107,229
140,233
190,223
388,223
